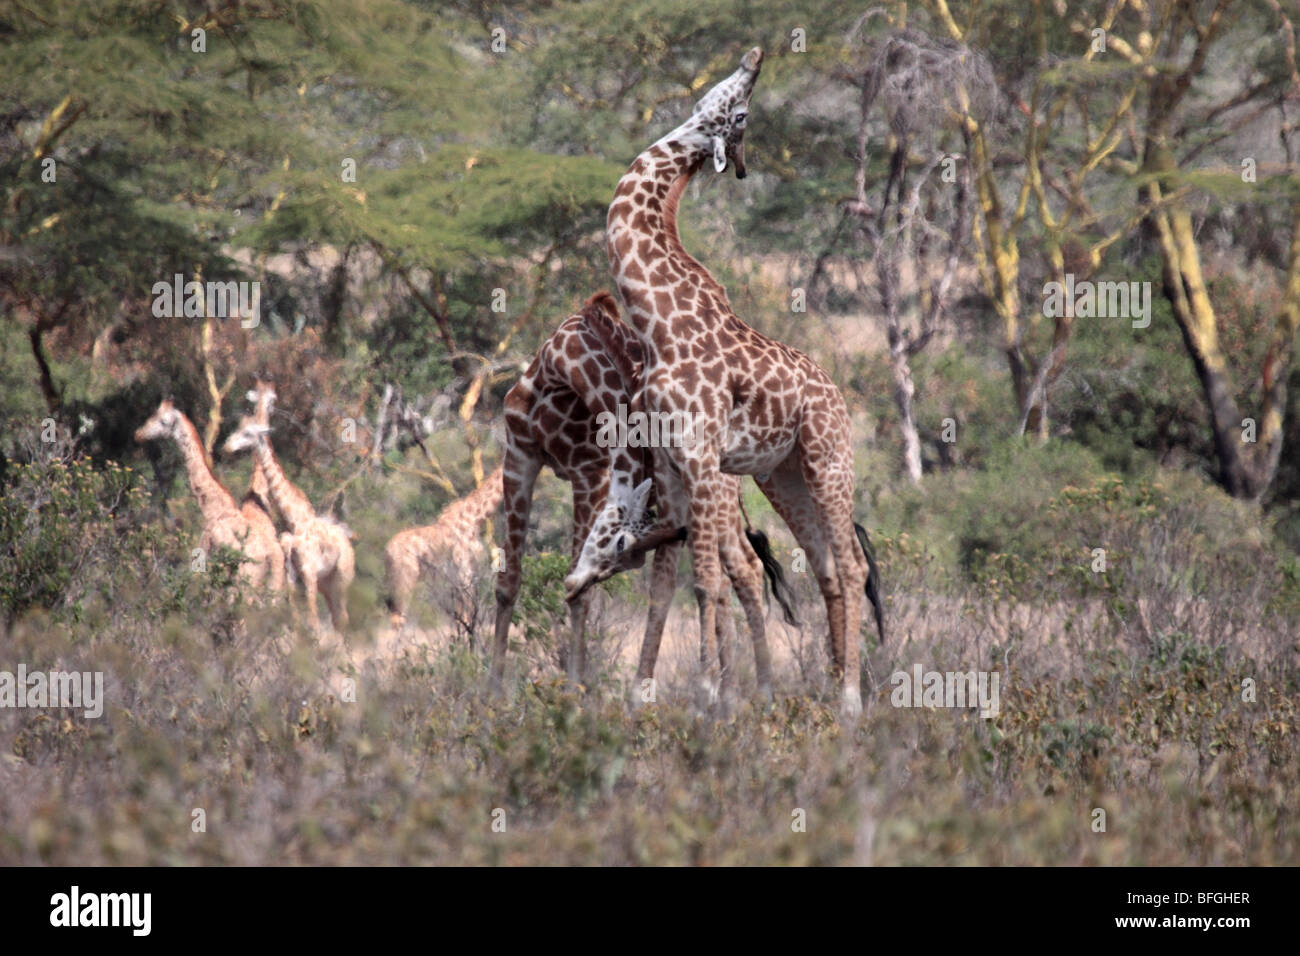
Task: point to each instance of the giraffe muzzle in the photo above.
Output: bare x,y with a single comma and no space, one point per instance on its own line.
575,586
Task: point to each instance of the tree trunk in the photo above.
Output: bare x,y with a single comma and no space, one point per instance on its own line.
46,379
1246,467
904,395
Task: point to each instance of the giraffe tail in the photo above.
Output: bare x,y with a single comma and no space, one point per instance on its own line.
873,579
771,566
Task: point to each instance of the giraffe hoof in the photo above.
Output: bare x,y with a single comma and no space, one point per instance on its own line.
851,704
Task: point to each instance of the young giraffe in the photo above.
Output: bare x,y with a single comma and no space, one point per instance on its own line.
318,547
224,522
256,504
588,366
262,397
759,407
452,544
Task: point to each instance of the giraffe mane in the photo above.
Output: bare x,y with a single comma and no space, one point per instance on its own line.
600,314
674,198
184,422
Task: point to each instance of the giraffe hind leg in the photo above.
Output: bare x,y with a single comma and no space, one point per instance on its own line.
832,494
786,490
746,574
663,581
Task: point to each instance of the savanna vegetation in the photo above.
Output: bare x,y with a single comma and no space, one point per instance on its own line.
1099,504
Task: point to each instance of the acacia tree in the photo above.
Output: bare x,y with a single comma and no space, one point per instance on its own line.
1076,111
204,138
919,221
1180,36
1121,92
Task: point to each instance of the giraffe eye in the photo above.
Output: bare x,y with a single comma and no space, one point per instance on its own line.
740,119
619,544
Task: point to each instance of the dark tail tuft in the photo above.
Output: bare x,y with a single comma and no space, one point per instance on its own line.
873,579
775,576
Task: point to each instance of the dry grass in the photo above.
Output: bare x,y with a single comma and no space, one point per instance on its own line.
1126,692
258,734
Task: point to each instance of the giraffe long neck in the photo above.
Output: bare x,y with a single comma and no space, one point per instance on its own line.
293,504
483,501
624,350
257,485
214,500
262,415
643,244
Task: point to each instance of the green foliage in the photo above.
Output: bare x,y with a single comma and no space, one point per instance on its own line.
60,522
541,606
75,541
479,171
562,748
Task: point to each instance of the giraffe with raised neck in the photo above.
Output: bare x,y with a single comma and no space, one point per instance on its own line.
451,548
759,407
256,503
588,367
224,522
262,396
318,548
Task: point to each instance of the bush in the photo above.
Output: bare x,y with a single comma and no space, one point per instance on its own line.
60,523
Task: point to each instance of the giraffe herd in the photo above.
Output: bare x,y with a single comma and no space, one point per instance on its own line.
757,407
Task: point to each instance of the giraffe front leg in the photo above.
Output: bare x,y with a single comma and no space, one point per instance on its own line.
589,490
309,588
705,505
335,601
402,568
726,648
517,479
292,574
663,582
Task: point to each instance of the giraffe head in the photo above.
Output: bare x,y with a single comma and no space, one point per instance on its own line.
262,397
717,124
608,548
161,424
246,436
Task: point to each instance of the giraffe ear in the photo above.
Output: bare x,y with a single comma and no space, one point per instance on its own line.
640,495
719,153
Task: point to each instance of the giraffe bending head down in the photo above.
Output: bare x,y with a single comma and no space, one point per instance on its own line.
318,548
451,546
757,406
246,529
588,367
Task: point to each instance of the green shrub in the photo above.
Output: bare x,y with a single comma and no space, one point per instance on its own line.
59,521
